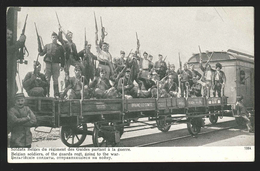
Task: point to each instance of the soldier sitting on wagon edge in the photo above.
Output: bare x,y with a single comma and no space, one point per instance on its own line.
35,82
74,85
101,86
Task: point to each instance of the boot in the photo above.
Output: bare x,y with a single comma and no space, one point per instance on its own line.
56,90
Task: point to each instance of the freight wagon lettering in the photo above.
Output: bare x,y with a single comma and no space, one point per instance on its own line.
141,105
101,106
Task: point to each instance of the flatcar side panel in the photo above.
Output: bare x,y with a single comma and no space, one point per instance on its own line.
44,110
137,105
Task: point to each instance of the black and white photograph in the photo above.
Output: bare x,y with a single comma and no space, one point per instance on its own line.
130,84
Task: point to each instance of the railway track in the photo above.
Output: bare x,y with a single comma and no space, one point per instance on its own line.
183,137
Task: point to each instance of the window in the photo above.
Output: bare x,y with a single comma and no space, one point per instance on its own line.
242,77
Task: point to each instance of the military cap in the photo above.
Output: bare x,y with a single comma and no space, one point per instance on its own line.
150,55
145,53
122,52
218,65
160,55
69,32
19,95
170,76
54,34
154,73
36,64
128,70
185,63
103,71
77,67
239,97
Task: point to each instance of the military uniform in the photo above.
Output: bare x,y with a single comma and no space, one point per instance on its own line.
20,119
185,76
54,55
35,87
207,78
171,88
100,86
129,88
160,67
219,79
88,63
242,111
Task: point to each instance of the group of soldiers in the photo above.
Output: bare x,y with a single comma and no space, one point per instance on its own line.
114,77
101,76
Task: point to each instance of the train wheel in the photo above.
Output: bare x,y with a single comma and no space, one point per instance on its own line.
213,119
98,138
163,125
194,125
73,136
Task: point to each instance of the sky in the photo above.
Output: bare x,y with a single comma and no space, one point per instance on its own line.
161,30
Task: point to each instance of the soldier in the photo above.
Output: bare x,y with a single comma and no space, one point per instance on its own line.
35,82
100,84
144,66
74,85
242,111
151,64
104,58
219,81
170,86
185,78
88,58
195,90
160,67
54,59
195,75
208,74
171,71
70,48
11,52
129,89
20,119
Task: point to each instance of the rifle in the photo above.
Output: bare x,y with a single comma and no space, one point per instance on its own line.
209,58
179,77
103,31
39,40
23,49
165,58
138,43
96,27
200,55
123,70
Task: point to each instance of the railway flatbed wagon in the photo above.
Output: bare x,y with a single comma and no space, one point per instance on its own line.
110,116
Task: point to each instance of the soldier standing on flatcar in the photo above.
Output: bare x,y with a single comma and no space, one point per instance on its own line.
104,57
151,64
242,111
208,74
219,81
195,75
160,67
35,82
88,58
20,119
185,78
144,66
54,56
72,57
